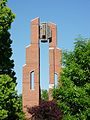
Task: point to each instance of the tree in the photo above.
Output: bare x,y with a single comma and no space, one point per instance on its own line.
6,18
73,95
44,95
47,110
10,103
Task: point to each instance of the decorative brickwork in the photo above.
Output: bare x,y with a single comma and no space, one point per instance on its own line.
31,97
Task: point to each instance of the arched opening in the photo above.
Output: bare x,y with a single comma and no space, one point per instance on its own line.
55,80
32,80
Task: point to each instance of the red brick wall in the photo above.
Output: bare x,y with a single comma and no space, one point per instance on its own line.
54,58
32,97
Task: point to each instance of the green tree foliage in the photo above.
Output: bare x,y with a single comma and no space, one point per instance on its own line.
44,95
73,95
10,103
6,18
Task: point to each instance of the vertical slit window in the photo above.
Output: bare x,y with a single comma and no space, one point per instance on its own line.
32,80
56,79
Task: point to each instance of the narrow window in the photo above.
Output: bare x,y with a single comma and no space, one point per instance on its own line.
56,79
32,80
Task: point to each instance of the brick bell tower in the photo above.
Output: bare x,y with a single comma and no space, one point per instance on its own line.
31,70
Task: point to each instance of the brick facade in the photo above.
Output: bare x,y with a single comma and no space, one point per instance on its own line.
32,97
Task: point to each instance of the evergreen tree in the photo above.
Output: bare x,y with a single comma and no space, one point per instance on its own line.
73,95
6,18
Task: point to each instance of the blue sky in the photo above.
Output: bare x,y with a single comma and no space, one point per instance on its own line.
71,16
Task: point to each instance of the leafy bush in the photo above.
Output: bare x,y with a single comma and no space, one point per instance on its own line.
47,110
44,95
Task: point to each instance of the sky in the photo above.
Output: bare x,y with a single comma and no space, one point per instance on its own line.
72,18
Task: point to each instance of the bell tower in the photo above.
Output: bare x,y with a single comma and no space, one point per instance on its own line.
31,70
